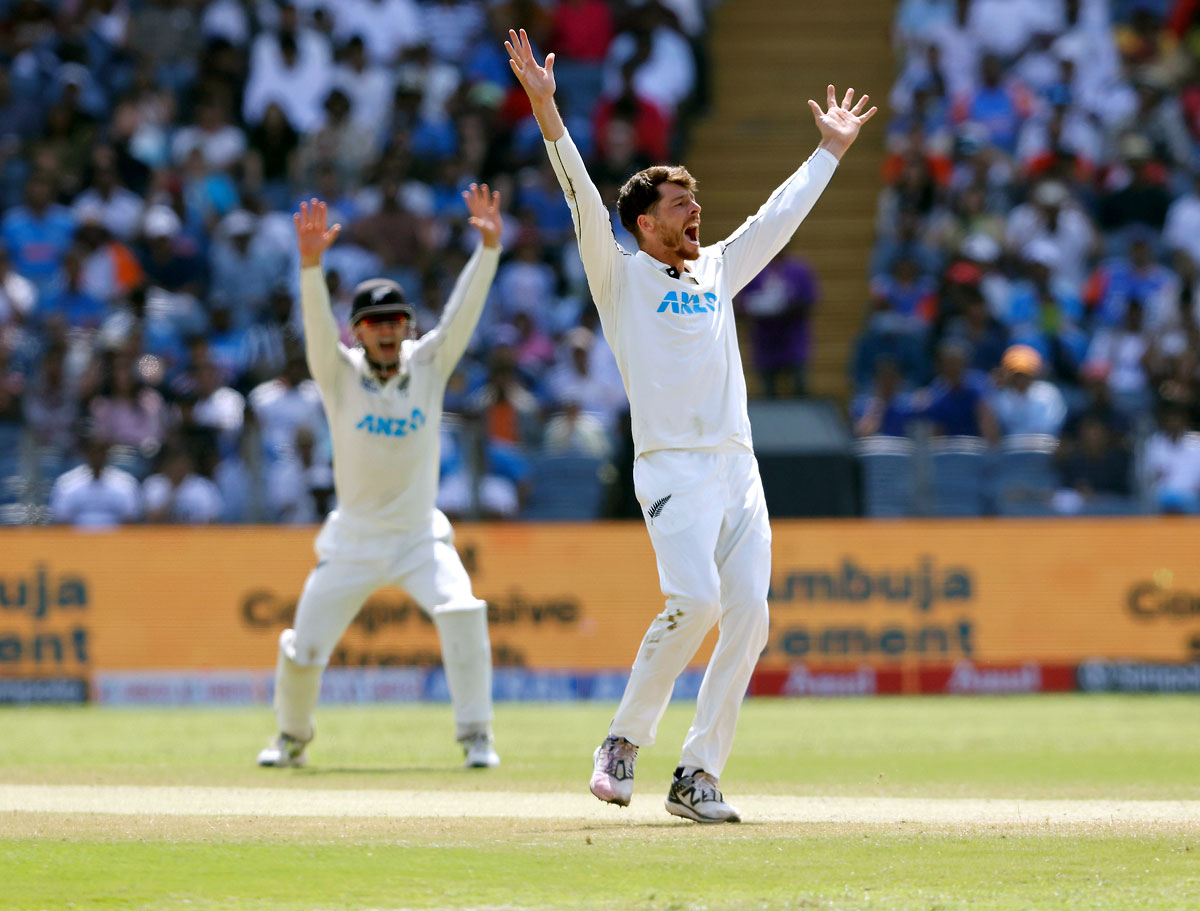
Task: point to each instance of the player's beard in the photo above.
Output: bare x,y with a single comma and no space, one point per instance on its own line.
678,244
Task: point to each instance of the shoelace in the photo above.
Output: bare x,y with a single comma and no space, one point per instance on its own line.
706,787
617,757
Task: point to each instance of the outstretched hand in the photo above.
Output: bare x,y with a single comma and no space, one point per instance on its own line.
312,236
484,206
839,125
538,81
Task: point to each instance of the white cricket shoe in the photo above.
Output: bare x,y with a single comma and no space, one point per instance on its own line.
696,797
284,752
612,773
479,751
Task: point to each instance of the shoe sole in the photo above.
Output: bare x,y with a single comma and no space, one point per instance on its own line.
483,764
614,800
685,812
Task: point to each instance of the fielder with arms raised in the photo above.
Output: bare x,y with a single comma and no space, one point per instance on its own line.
667,313
384,403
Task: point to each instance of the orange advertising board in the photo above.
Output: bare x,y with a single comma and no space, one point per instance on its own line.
580,597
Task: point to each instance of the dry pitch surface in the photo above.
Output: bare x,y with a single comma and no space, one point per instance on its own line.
129,800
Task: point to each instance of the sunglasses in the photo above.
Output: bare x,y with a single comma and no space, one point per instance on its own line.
382,319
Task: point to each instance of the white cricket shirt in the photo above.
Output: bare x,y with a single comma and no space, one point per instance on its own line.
674,338
385,435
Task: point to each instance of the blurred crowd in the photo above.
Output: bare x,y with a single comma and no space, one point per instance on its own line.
1036,269
151,154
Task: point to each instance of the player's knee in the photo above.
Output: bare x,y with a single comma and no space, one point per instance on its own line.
693,609
295,650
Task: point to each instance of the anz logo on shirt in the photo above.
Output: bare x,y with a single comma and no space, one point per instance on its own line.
392,427
683,302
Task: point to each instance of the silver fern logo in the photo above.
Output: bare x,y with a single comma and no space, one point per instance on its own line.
657,506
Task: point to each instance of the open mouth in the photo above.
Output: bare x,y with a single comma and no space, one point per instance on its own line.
692,233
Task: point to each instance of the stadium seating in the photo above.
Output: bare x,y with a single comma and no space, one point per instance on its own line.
957,476
889,476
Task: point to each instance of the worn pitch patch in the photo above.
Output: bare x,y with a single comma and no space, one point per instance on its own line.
127,800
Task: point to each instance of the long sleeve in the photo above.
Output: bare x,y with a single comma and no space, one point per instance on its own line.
320,329
761,236
445,344
598,248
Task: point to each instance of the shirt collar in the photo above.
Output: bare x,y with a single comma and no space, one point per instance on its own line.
685,276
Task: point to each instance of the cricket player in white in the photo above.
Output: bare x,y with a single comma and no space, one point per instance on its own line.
384,404
667,313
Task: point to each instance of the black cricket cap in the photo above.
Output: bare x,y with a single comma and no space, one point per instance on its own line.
379,295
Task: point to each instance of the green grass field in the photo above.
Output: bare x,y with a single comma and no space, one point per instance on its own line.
1063,748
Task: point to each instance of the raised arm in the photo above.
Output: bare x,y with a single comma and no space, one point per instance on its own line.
313,237
748,249
445,344
593,226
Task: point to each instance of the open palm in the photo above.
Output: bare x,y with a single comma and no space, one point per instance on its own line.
840,123
484,206
538,81
313,237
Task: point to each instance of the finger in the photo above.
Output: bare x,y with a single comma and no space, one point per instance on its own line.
477,222
816,108
831,97
526,46
549,64
512,53
332,233
867,116
296,221
302,215
849,96
322,217
496,201
861,102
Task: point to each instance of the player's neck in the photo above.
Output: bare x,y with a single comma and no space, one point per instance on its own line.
383,371
666,257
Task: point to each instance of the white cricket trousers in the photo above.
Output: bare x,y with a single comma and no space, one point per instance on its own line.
707,519
353,564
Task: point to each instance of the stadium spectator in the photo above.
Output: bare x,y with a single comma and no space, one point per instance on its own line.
384,28
1024,404
117,207
955,403
38,234
285,404
1097,467
885,410
573,430
291,67
126,410
300,485
95,494
177,495
1173,461
68,298
778,304
664,66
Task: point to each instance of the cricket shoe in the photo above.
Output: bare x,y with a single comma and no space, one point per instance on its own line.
696,797
612,775
479,752
284,752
